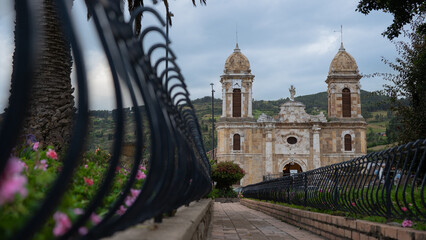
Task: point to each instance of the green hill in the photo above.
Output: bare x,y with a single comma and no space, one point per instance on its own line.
375,110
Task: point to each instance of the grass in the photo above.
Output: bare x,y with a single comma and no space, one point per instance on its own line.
381,147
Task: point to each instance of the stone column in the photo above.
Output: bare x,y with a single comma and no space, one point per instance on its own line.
250,114
223,101
316,146
268,150
243,97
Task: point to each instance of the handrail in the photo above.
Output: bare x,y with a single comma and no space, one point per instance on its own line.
390,184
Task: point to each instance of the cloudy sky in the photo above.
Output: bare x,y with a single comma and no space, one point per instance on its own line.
288,42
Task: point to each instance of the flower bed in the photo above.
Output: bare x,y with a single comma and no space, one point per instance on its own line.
30,172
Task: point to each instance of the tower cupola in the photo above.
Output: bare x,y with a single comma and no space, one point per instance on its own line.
344,89
237,83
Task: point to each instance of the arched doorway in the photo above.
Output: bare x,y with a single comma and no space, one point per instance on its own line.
291,168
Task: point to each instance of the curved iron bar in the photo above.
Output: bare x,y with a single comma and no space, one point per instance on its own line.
389,184
76,145
24,67
179,171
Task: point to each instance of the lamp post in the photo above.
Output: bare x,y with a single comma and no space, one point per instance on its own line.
211,84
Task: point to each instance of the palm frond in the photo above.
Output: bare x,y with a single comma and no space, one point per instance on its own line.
168,13
201,2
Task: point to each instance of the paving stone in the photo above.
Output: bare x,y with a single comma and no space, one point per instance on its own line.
234,221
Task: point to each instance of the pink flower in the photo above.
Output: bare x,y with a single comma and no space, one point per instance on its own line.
35,146
135,192
410,204
85,166
11,181
407,223
404,209
12,186
140,175
353,204
62,225
14,165
121,210
83,231
42,165
97,150
95,218
142,168
78,211
51,154
88,181
129,201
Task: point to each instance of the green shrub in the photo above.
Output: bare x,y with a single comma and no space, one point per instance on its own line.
222,193
226,174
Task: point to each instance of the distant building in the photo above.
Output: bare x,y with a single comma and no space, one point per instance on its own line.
293,141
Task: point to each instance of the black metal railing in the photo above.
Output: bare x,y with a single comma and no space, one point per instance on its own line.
179,171
389,183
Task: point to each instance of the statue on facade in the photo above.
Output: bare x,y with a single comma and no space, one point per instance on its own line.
292,92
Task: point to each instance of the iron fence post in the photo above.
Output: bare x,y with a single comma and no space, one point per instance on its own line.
305,177
388,187
336,188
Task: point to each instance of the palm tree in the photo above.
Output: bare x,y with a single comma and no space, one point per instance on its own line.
51,108
51,111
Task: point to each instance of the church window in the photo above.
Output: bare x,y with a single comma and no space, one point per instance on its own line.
348,142
292,140
346,102
237,142
236,103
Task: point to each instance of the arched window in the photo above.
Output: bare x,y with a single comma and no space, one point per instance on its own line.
236,103
348,142
237,142
346,102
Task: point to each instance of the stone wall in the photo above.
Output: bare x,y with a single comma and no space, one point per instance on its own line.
334,227
189,223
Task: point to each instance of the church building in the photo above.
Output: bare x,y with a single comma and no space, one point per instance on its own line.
294,141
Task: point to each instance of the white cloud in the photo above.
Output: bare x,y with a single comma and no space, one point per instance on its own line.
287,42
6,51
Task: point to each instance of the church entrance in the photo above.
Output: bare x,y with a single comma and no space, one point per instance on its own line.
291,168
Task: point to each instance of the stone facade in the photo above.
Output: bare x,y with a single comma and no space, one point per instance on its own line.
294,140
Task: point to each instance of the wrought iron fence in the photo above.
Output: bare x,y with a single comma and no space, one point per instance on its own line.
390,183
179,171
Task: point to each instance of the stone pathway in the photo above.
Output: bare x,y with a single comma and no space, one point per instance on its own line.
235,221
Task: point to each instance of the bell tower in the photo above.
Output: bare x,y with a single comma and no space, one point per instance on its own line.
237,83
344,90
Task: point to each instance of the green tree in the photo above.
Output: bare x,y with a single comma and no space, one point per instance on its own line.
393,130
410,83
403,11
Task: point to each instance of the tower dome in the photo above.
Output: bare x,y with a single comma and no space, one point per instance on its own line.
343,63
237,62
